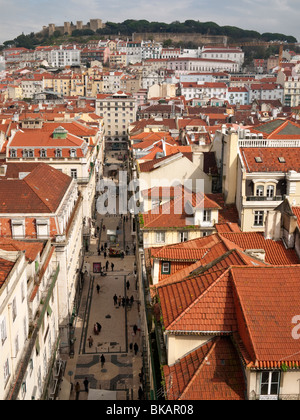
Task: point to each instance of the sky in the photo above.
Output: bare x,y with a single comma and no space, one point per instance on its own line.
25,16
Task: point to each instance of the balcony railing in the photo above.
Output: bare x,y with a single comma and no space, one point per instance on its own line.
264,198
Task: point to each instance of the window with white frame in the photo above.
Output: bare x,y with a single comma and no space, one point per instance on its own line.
42,228
13,153
270,191
74,173
183,236
207,216
160,237
43,153
18,228
260,190
269,383
258,218
73,153
58,153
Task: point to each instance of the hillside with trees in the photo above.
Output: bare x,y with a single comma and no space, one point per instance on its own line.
130,26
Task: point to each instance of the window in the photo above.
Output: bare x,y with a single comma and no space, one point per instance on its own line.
6,371
166,268
73,153
3,331
43,153
18,228
42,228
260,191
160,237
270,384
13,153
74,173
207,216
58,153
259,218
14,309
270,191
183,236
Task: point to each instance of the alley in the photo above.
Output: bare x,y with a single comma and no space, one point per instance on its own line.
119,340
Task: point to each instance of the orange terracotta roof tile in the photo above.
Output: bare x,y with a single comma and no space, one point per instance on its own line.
210,372
267,303
276,253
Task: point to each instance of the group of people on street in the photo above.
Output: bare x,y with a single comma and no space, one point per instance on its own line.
118,301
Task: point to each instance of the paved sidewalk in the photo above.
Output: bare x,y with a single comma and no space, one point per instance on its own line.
120,372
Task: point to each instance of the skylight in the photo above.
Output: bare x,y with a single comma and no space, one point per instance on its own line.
258,159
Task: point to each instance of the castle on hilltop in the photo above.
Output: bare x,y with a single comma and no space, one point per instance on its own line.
69,27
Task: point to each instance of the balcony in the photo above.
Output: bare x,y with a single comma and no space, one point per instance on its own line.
264,198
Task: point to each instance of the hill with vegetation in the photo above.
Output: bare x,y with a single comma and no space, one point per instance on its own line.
130,26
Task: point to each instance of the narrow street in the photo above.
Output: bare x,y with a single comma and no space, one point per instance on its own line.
116,340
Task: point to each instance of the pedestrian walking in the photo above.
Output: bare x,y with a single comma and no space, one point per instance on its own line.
99,327
105,254
131,300
91,341
106,265
127,301
119,300
96,331
86,385
115,299
77,390
128,284
112,266
135,328
98,289
136,348
102,361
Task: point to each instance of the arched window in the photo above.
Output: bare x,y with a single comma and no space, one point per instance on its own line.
259,191
270,191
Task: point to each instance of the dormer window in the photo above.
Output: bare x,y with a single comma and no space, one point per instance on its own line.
73,153
58,153
13,153
43,153
28,153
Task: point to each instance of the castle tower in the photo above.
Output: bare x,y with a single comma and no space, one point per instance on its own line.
67,28
79,25
95,24
51,29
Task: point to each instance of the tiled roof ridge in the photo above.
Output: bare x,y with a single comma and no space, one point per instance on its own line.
197,272
195,302
246,321
194,377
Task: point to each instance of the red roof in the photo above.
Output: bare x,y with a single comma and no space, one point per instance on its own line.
268,301
39,192
173,214
210,372
270,159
